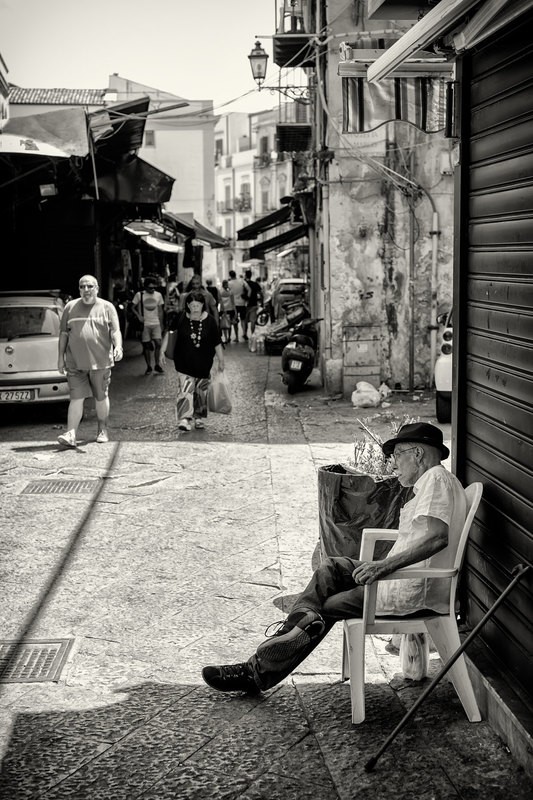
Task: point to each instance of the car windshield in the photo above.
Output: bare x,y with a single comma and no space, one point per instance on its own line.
18,321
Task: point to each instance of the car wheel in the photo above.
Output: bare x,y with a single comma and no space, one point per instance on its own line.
444,408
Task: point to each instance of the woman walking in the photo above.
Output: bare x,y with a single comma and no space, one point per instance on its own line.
197,343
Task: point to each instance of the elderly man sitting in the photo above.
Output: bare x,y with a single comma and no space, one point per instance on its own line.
427,524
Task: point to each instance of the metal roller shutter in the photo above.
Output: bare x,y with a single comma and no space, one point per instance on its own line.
494,298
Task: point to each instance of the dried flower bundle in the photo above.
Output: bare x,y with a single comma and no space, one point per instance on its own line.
368,455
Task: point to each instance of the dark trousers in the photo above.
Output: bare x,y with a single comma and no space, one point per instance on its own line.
334,595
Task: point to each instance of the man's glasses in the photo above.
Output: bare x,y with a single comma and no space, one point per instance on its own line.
87,285
395,456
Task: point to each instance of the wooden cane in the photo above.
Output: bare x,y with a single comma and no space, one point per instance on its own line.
519,571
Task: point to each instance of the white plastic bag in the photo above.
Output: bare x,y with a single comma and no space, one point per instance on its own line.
365,395
414,656
218,397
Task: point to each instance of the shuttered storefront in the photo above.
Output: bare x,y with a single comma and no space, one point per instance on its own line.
494,335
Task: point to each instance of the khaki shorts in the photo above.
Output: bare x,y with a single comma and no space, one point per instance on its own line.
88,383
151,332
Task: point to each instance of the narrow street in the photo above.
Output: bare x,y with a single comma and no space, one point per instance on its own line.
183,551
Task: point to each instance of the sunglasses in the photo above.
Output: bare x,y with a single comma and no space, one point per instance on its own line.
87,285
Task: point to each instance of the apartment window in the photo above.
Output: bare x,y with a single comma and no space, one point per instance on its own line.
264,200
227,229
219,149
227,195
149,138
263,145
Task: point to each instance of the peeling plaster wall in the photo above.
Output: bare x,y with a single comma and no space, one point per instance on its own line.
371,261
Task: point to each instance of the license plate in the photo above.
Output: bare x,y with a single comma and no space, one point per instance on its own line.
17,395
293,364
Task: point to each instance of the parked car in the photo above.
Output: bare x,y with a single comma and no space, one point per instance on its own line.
29,334
284,290
443,370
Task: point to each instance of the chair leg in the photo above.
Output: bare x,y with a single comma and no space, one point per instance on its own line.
355,640
446,638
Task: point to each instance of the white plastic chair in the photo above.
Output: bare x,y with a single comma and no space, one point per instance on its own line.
441,627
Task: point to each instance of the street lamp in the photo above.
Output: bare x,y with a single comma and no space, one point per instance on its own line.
258,62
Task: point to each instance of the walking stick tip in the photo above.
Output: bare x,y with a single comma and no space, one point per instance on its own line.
371,763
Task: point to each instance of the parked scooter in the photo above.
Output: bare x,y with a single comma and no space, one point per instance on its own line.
299,354
281,331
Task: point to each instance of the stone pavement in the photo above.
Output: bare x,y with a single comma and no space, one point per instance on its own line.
182,555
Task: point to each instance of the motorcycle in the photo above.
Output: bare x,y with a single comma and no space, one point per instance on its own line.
299,354
280,332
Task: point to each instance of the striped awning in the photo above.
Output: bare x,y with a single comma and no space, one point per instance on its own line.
421,101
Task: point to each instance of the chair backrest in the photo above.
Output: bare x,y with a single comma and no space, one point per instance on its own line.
473,499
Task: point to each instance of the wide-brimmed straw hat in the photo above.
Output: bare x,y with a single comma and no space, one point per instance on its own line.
417,433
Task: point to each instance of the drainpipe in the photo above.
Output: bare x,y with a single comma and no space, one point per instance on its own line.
433,326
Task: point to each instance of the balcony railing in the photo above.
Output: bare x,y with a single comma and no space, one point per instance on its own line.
262,160
224,206
291,40
243,203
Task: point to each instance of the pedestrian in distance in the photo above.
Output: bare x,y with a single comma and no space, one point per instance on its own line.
197,343
239,291
429,530
254,297
90,342
149,306
214,290
228,316
195,285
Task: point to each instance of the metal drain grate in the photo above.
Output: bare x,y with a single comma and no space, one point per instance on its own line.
34,660
61,486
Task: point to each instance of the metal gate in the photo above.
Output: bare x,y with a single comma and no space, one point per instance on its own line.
493,327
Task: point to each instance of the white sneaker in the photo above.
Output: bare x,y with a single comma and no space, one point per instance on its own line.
184,425
67,439
199,424
102,437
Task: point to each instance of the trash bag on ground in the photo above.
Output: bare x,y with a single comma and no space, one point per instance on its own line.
365,395
414,656
349,502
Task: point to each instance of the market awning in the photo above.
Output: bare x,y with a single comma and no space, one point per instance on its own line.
277,217
65,130
258,250
193,230
208,236
119,129
177,224
439,20
134,181
163,245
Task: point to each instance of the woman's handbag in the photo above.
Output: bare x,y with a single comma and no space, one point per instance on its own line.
168,345
218,397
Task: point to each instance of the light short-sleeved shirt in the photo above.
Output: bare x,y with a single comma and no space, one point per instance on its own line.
151,303
437,493
236,287
89,329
